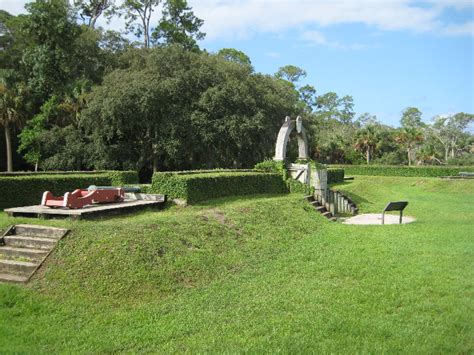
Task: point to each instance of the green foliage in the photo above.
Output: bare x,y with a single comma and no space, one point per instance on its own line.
137,14
421,171
178,25
122,178
234,55
27,189
335,175
295,186
177,110
91,10
272,166
290,73
199,187
411,118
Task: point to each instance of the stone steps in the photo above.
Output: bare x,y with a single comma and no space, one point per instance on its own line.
13,278
16,266
319,208
30,242
28,253
23,248
29,230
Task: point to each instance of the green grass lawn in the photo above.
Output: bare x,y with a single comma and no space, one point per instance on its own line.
265,273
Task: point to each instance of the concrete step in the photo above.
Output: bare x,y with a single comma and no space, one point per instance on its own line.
308,198
17,267
13,278
327,214
29,230
320,209
29,242
8,252
315,203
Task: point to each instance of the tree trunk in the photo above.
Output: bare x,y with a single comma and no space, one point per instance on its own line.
155,163
409,156
146,40
93,21
368,156
8,142
446,152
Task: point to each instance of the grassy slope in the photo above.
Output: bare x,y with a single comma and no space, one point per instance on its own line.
258,274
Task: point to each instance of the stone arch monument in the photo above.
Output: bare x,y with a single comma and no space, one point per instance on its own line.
284,135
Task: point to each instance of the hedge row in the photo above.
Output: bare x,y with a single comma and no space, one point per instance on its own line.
416,171
27,190
335,175
296,186
199,187
122,178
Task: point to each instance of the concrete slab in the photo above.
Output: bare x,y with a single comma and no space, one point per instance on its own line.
87,211
376,218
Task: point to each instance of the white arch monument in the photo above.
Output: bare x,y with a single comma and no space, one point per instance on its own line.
284,135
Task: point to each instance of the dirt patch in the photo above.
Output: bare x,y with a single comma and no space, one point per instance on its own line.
220,217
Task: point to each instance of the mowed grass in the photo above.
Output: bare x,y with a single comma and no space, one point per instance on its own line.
260,274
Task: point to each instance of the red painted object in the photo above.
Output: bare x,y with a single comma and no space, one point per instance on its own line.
80,197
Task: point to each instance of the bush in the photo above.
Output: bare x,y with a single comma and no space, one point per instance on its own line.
121,178
390,170
20,189
28,190
296,186
335,175
272,166
199,187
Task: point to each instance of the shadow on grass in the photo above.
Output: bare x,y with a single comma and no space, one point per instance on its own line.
357,199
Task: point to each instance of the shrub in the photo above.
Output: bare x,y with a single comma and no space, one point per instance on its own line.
121,178
335,175
27,190
390,170
20,189
296,186
199,187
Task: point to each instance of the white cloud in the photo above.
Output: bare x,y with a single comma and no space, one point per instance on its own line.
314,37
231,19
14,7
242,18
317,38
466,28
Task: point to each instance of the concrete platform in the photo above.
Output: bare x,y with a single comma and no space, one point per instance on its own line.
376,218
129,205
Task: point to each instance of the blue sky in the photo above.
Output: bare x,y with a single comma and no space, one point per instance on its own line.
387,54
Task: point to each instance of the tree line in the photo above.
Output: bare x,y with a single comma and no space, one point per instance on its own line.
74,96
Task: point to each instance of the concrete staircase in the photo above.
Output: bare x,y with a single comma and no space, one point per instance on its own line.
320,208
23,248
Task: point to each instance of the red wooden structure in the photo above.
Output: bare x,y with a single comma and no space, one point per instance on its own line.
83,197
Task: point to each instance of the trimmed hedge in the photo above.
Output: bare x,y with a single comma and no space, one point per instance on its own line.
199,187
22,190
296,186
335,175
121,178
393,170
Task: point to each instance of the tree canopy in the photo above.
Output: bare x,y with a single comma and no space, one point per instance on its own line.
76,96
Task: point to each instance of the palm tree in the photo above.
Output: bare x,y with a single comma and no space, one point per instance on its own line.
367,140
12,99
409,138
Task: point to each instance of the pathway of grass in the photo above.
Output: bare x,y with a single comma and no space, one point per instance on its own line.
266,273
